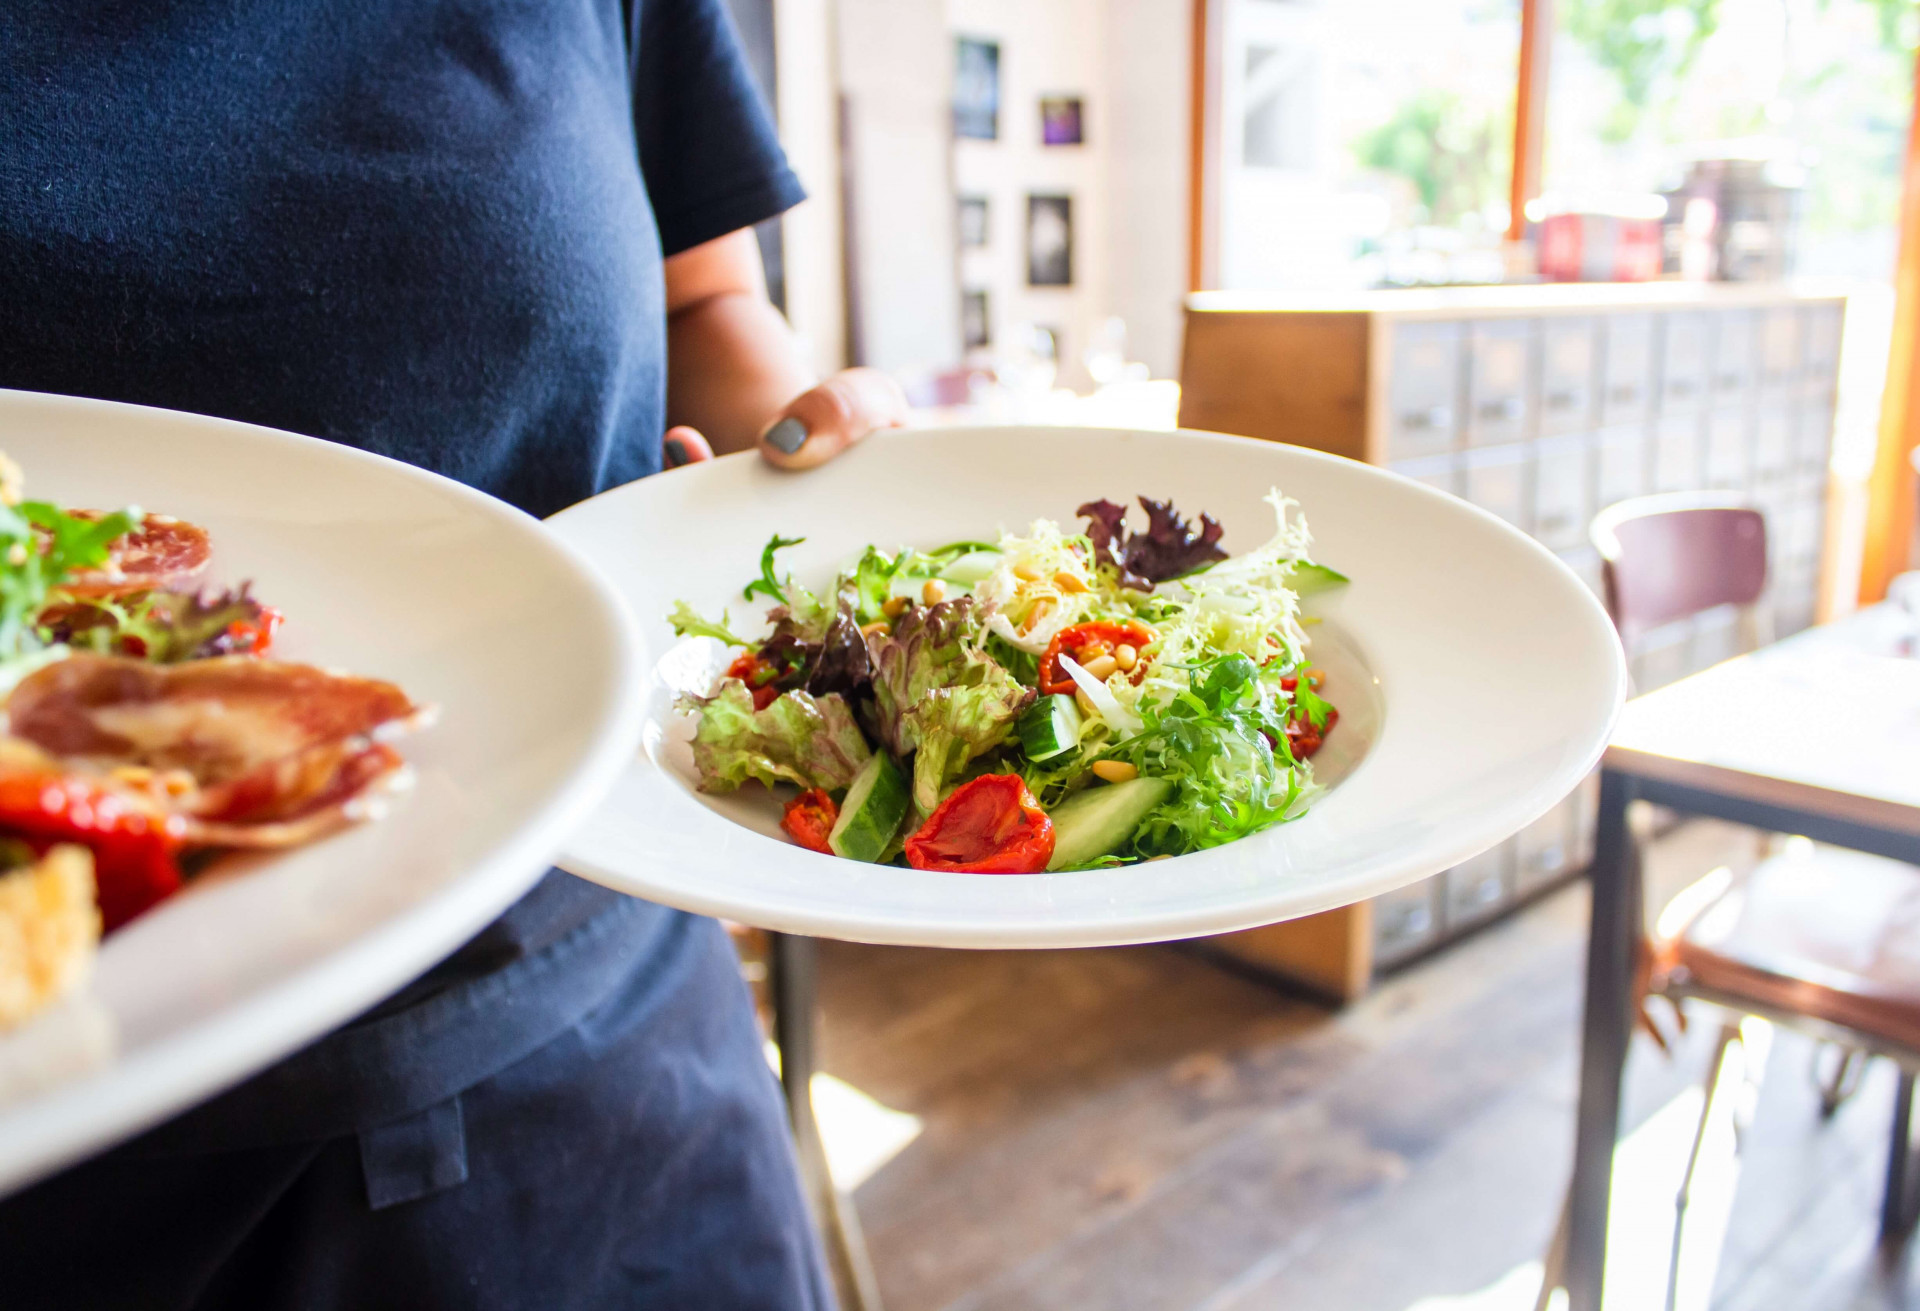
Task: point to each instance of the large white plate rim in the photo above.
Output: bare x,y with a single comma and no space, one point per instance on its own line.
142,1088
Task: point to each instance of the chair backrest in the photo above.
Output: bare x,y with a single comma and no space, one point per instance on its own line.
1667,557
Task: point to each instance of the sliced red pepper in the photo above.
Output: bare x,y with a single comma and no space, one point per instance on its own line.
991,825
758,675
255,638
809,818
133,843
1055,681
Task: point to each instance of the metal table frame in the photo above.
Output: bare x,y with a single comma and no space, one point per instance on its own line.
1618,921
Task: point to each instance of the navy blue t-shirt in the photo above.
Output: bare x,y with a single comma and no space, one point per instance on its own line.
428,228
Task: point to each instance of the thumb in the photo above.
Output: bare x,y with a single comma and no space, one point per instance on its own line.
821,423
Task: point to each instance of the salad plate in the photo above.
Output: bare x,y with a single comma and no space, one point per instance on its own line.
526,656
1476,680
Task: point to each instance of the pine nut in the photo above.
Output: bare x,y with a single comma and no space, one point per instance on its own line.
1101,667
933,592
1092,651
1026,573
878,628
1115,771
1126,657
895,607
1041,609
1085,703
1066,582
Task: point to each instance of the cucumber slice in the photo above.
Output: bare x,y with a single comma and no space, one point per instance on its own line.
1049,727
1098,822
871,816
971,568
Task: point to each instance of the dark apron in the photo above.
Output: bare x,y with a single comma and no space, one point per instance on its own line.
457,1154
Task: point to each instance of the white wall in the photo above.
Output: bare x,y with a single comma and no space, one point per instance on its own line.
896,71
1149,45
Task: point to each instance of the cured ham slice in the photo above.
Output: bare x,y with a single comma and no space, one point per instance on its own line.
163,552
247,752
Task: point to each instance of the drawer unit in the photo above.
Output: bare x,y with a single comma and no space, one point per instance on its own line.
1686,341
1626,353
1812,437
1442,471
1620,460
1562,491
1772,444
1496,479
1543,850
1479,887
1499,372
1569,361
1820,327
1424,391
1729,448
1676,453
1735,339
1780,349
1406,921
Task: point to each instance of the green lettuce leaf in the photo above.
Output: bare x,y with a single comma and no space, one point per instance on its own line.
163,627
687,622
957,724
799,738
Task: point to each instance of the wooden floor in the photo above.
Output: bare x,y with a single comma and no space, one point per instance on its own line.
1136,1128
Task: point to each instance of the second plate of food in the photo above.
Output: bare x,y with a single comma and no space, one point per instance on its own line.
967,687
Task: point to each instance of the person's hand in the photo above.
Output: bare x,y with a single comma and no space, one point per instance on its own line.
815,426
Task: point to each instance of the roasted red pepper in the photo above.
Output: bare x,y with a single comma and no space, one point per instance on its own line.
989,826
759,676
1303,739
809,818
1055,681
133,843
256,638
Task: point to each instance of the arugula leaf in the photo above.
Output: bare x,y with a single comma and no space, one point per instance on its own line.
766,584
687,622
40,544
1311,704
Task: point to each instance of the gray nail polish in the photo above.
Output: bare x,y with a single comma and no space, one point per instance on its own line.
675,452
787,436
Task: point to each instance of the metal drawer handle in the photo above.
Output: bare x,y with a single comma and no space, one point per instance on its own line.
1506,408
1623,393
1681,387
1438,417
1562,400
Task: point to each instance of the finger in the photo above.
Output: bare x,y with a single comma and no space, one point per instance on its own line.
821,423
683,445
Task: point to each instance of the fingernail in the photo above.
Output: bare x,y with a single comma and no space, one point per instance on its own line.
787,436
676,452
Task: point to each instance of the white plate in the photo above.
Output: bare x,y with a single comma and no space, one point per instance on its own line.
1498,678
382,570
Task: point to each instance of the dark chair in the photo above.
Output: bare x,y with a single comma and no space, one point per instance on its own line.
1825,942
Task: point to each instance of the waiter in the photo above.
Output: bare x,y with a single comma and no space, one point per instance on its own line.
508,241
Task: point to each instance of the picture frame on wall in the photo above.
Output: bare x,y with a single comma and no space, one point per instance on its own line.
1049,241
976,89
972,221
1062,121
976,325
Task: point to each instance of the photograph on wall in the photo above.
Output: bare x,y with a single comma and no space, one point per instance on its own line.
976,330
1060,121
1049,241
973,221
976,89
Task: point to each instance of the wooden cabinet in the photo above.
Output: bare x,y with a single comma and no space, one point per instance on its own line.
1541,404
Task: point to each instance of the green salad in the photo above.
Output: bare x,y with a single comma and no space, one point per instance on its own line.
1052,700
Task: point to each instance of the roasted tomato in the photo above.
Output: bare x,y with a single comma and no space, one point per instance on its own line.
134,842
809,818
989,826
758,675
1080,641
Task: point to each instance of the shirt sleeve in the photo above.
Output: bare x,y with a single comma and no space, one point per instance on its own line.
708,150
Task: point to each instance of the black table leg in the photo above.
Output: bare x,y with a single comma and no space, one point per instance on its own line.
1612,940
792,979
